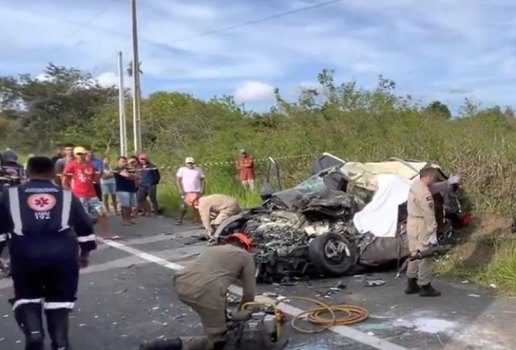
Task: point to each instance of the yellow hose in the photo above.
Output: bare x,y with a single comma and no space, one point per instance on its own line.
354,314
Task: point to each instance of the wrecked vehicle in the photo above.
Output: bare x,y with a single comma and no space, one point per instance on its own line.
342,218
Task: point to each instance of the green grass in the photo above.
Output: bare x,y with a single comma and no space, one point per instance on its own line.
495,265
501,271
170,198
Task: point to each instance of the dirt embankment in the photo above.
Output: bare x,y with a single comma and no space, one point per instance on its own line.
477,246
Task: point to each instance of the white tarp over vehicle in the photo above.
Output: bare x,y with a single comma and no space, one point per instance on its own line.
380,215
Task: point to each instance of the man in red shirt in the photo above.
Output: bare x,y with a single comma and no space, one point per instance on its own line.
245,167
80,176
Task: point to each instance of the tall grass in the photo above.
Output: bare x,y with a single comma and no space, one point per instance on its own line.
170,198
222,178
501,271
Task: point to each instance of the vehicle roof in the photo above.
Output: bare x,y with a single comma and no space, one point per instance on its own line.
365,174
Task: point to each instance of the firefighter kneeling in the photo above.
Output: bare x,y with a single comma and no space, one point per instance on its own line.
45,259
203,286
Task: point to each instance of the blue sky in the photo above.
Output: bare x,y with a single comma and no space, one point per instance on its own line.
435,49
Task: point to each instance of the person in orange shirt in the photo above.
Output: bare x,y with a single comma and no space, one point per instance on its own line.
245,167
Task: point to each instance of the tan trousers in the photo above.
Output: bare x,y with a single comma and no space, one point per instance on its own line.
418,240
422,270
212,313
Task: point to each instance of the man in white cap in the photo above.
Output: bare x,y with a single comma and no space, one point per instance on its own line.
189,179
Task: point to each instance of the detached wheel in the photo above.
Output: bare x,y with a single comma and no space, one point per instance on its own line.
332,254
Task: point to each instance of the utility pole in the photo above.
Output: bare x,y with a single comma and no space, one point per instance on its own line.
121,107
136,83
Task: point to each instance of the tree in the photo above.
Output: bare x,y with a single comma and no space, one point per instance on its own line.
43,109
509,112
438,110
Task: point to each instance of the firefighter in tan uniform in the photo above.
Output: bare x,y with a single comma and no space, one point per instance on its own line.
203,285
422,229
220,206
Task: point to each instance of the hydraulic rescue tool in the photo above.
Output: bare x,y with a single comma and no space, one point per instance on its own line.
430,252
256,326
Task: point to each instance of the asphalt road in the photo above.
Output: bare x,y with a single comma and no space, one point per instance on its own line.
126,296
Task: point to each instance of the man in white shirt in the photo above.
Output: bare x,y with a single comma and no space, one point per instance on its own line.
189,179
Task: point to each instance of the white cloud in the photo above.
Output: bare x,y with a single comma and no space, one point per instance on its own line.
254,91
426,47
42,77
108,79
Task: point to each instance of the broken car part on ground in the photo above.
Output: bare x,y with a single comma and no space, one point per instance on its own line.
344,217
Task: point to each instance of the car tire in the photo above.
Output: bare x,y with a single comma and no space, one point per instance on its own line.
322,247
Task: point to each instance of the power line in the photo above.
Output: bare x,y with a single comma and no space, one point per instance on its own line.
89,23
260,20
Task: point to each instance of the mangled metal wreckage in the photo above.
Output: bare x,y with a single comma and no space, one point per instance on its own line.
347,215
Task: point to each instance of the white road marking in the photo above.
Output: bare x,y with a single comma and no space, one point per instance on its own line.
152,239
344,331
170,254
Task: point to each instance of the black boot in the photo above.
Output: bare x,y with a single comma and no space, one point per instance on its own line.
412,286
428,291
57,324
219,345
166,344
29,319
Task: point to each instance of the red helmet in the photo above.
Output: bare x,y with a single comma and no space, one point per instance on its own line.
242,238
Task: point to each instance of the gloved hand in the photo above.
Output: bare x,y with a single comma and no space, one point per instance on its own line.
229,315
433,239
454,179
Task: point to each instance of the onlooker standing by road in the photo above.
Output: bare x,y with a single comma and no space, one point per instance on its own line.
58,155
10,169
108,186
245,167
189,179
61,163
99,165
135,168
150,177
82,174
125,178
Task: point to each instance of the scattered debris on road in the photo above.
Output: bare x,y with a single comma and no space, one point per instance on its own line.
374,283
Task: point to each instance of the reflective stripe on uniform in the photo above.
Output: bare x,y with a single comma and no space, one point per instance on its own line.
26,301
58,305
67,206
14,207
89,238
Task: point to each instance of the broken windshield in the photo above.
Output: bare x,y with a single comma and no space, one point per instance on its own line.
313,183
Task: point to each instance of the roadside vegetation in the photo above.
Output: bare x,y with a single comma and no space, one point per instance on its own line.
342,118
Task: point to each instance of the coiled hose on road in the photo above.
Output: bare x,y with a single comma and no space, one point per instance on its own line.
354,314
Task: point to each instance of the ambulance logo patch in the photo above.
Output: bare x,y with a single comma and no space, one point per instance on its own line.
41,202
